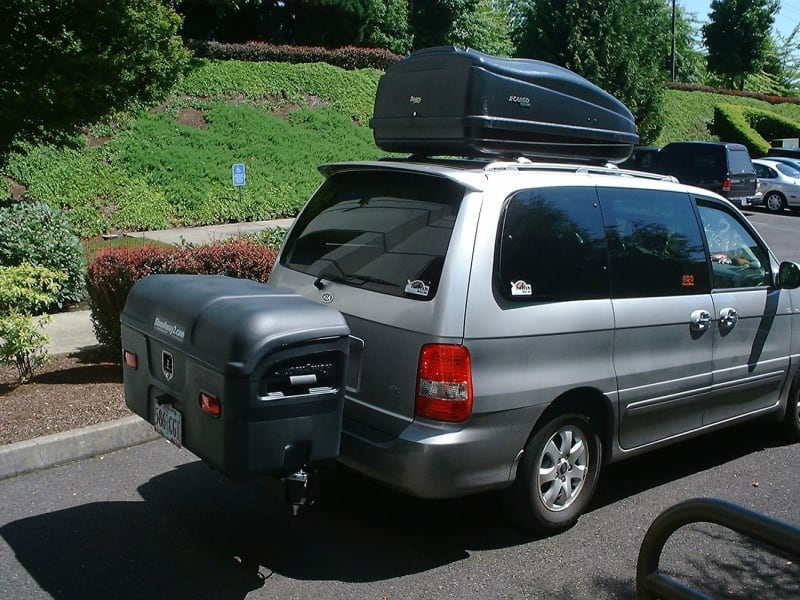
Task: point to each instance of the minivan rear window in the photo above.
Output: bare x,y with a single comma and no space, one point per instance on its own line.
379,230
739,161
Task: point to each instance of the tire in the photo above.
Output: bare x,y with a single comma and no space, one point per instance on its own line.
774,202
557,475
791,421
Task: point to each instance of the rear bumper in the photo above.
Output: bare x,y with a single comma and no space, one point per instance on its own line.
742,202
435,460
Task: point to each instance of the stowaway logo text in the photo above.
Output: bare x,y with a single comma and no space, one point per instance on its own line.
168,328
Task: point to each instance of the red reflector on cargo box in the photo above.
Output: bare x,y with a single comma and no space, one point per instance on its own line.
210,404
131,360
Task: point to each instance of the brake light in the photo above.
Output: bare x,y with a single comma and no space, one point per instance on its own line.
131,360
726,184
210,404
444,383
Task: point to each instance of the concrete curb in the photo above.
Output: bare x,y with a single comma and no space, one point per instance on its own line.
61,448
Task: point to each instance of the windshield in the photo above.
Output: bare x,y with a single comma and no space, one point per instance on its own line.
379,230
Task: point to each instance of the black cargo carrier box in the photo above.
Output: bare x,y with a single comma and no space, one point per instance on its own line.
446,101
248,377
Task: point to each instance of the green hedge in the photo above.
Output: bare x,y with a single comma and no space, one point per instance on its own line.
752,127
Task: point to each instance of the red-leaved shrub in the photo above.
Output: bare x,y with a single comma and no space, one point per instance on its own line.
346,57
113,271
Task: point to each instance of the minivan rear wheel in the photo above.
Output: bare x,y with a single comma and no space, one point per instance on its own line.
557,475
775,202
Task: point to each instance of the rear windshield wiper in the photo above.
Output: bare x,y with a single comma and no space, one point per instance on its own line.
353,278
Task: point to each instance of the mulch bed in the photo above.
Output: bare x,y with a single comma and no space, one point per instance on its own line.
69,392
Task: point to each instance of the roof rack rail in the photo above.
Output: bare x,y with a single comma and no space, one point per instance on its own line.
525,164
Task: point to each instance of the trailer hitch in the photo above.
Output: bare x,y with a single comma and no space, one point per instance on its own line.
301,489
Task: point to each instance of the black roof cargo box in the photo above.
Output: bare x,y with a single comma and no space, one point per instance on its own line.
247,376
446,101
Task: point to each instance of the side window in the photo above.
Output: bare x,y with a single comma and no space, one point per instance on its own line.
737,259
552,246
764,172
655,244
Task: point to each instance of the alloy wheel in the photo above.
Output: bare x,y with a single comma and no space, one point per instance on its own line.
563,468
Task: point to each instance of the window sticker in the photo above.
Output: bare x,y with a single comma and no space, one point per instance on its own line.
417,288
688,281
521,288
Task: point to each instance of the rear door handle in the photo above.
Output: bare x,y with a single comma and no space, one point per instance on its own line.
728,317
700,320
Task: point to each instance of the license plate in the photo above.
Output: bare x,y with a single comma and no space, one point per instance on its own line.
167,421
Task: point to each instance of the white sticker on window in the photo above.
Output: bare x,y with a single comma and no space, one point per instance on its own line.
521,288
417,288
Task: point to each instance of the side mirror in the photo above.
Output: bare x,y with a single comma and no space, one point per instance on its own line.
789,275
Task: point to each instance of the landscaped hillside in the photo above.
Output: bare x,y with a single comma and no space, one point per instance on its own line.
690,115
171,165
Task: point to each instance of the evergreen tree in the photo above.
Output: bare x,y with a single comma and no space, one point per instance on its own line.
619,45
737,37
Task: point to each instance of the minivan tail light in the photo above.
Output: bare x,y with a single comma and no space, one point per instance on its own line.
726,184
444,383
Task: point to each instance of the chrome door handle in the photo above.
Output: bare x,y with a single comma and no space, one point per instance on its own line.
728,317
700,320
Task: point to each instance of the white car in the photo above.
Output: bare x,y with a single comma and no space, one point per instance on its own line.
779,184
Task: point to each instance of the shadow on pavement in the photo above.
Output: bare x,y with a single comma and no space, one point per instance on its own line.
196,534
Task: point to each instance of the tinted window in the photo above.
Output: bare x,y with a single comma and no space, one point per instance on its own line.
655,244
693,162
788,170
737,260
383,231
552,246
739,161
764,172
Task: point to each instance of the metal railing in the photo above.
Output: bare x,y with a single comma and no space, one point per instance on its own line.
652,584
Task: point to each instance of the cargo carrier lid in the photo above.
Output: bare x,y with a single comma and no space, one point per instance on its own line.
225,322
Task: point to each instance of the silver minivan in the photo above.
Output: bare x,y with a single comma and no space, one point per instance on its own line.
517,325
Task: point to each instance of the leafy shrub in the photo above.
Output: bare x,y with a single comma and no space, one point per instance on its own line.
38,234
23,344
28,289
272,237
114,271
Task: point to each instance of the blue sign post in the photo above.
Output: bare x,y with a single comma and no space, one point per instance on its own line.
239,177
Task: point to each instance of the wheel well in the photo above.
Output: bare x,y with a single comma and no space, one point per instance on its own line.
777,193
585,401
